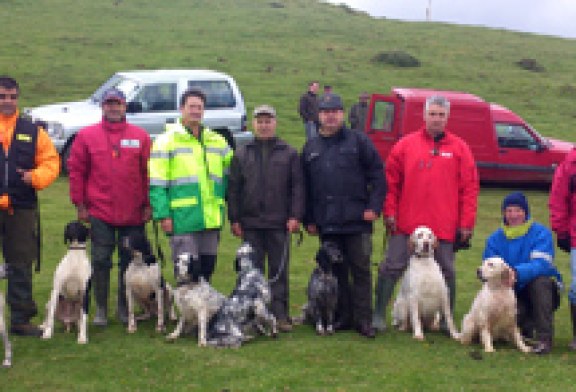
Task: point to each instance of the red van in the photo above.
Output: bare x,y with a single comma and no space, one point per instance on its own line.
505,147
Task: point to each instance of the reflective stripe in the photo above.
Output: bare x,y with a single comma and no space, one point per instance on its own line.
186,202
159,182
216,179
181,150
536,254
223,151
160,154
227,171
185,180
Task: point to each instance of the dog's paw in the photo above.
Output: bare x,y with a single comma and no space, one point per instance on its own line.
456,336
131,329
172,337
6,363
489,350
82,340
419,337
161,328
47,334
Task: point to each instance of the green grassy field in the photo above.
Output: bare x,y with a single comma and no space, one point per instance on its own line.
61,50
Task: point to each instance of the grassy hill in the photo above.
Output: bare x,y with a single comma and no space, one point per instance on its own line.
61,50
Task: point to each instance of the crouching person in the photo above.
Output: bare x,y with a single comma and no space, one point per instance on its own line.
528,248
28,162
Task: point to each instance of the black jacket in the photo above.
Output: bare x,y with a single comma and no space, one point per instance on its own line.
344,177
308,107
264,192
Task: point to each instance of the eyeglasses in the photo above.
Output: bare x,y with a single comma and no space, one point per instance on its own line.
9,96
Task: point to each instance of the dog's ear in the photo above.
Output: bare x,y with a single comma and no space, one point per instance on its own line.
194,268
508,277
411,244
237,264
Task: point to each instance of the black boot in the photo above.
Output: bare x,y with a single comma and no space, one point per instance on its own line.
207,265
122,308
451,284
384,290
572,345
101,284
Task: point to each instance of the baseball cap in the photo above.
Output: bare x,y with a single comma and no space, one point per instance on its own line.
114,94
264,109
330,102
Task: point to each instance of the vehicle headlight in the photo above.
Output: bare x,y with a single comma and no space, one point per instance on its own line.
55,129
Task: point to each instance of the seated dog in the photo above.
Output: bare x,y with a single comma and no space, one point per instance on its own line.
423,293
195,299
3,331
493,312
247,308
70,300
144,283
323,290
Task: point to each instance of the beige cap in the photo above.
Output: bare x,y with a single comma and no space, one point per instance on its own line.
264,109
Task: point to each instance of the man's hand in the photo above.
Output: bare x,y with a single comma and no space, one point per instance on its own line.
563,242
26,175
390,223
370,216
147,214
166,225
293,225
236,229
465,234
82,213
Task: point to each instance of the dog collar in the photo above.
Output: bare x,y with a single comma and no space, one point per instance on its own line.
77,247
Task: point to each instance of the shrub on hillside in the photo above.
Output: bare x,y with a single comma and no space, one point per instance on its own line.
396,58
530,65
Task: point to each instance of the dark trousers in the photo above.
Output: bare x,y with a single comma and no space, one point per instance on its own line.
275,246
105,238
20,249
537,302
354,277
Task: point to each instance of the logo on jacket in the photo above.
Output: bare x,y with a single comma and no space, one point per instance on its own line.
23,137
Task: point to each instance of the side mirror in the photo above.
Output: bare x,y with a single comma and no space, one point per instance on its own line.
134,107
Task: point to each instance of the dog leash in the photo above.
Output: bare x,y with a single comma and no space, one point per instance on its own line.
284,258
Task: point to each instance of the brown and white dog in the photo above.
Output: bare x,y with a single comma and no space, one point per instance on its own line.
493,312
7,362
145,284
423,292
69,300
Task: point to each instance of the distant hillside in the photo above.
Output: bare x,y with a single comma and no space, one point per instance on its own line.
63,49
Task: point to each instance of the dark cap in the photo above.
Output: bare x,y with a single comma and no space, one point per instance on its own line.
114,95
264,110
330,102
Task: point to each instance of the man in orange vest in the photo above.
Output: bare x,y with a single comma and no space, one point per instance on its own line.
28,163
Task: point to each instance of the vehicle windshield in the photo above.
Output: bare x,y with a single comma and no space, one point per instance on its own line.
219,94
538,135
127,86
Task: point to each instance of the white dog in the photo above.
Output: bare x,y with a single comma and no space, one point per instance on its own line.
423,293
144,283
7,346
69,299
493,312
195,299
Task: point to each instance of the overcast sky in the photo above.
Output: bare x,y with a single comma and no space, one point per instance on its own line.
551,17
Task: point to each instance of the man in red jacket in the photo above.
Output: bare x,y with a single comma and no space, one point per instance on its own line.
109,187
432,181
562,204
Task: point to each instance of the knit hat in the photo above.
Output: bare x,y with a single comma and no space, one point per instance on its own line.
517,199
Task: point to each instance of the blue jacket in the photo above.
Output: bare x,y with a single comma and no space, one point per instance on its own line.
531,255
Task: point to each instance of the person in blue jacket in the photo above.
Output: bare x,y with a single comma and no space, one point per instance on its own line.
528,248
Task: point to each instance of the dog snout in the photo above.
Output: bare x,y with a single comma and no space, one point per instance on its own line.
480,275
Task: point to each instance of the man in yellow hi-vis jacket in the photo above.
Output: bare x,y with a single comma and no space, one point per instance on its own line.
188,174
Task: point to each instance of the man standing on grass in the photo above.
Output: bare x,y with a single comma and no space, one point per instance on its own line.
28,163
308,109
345,190
188,176
432,181
266,203
109,187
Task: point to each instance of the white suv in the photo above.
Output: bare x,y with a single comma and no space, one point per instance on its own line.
153,100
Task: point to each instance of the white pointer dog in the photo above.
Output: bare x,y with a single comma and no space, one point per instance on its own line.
144,283
7,346
195,299
423,293
70,299
493,312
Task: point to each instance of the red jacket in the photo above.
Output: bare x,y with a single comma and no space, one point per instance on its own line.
562,200
431,183
108,172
